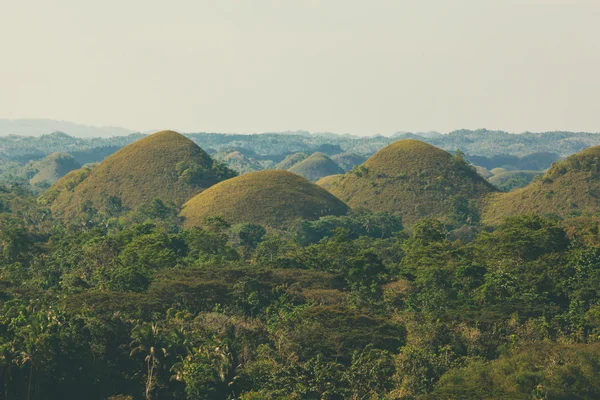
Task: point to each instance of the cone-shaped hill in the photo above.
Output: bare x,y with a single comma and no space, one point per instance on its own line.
65,184
290,160
316,167
165,165
271,198
570,187
414,178
53,167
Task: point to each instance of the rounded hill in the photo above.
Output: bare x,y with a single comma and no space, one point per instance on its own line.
53,167
330,181
271,198
316,167
569,188
165,165
290,160
416,179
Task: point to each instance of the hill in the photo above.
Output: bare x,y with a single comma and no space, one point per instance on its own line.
347,161
414,178
316,167
165,165
570,188
239,162
272,198
483,171
53,167
291,160
512,180
330,181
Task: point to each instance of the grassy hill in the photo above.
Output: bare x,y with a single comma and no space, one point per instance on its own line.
569,188
271,198
291,160
348,160
53,167
414,178
512,180
66,184
316,167
165,165
330,181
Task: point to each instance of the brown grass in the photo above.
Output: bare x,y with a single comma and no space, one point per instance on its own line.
411,177
271,198
156,166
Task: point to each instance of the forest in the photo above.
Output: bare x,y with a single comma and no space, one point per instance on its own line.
109,288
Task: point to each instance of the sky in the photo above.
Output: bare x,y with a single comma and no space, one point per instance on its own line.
349,66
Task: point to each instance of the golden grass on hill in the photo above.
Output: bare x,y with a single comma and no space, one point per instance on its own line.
53,167
411,177
569,188
270,198
315,167
330,181
165,165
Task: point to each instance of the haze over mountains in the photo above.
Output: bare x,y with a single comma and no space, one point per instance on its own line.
40,126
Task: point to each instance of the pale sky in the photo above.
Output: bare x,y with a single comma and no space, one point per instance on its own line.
362,67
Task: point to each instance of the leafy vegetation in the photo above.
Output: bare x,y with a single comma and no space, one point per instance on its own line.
511,180
266,286
139,306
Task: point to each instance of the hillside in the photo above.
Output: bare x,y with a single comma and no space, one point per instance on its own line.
165,165
316,167
271,198
483,171
239,162
290,160
53,167
416,179
330,181
570,188
512,180
347,161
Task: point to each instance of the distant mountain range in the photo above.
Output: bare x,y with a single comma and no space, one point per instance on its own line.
38,127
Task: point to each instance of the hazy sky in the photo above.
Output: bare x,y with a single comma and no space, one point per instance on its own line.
362,67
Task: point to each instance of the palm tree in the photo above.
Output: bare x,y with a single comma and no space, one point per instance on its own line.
147,340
